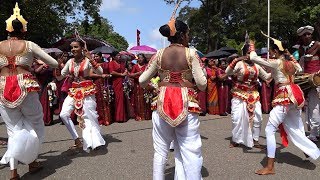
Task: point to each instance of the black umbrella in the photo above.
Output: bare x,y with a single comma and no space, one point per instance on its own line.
92,43
105,50
217,54
228,49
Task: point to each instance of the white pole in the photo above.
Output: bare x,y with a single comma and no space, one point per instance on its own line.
268,39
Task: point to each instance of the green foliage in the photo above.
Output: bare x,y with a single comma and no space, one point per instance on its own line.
101,30
218,23
50,20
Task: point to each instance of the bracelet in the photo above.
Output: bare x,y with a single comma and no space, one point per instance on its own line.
233,63
292,58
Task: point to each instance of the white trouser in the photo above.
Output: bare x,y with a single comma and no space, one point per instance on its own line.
187,148
91,133
241,131
313,113
290,117
29,110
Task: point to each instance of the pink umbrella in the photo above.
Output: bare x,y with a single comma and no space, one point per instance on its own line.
142,49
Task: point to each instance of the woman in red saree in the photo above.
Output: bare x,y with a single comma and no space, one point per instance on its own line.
142,100
129,88
44,76
118,71
223,89
212,90
104,91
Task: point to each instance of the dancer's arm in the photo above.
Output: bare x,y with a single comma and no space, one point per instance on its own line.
271,63
263,74
198,72
65,71
40,54
150,71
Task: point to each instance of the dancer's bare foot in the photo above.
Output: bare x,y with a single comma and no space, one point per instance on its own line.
14,175
233,144
265,171
77,144
35,167
269,169
2,142
258,145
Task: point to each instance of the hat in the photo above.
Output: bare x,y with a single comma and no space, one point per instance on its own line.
305,29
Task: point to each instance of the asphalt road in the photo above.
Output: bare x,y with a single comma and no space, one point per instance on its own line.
128,155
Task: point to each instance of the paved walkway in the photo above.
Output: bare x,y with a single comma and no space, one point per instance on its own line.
129,152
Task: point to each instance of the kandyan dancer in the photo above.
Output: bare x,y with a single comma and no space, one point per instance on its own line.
246,111
81,98
20,107
287,104
175,110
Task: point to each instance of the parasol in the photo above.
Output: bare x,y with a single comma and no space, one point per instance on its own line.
142,49
92,43
217,54
229,49
105,50
128,54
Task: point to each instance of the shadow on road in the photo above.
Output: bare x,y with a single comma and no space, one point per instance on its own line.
135,130
53,162
291,159
169,173
203,137
246,149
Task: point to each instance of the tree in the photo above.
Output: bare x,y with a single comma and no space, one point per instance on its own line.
47,19
224,23
101,30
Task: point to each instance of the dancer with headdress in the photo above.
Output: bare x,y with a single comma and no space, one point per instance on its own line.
81,97
287,104
246,111
20,107
309,52
175,115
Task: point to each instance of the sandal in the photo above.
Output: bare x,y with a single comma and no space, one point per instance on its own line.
35,167
15,178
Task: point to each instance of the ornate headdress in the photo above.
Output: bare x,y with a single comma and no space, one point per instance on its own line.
172,21
246,43
275,41
16,15
305,29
